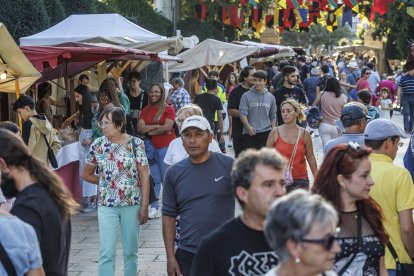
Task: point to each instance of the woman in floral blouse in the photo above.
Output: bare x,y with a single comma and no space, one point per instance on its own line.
123,179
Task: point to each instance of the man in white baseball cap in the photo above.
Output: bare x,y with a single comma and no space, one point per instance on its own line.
198,189
353,75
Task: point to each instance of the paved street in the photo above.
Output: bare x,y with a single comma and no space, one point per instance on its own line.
152,261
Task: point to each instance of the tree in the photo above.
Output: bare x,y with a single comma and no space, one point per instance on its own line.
55,11
316,37
142,13
398,27
207,29
84,7
24,17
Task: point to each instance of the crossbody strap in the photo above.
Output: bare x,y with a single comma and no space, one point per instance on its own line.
292,157
8,265
359,242
393,252
47,143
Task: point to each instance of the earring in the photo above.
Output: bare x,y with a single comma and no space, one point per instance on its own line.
297,260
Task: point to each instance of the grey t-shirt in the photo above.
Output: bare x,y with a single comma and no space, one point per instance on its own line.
201,194
344,139
259,108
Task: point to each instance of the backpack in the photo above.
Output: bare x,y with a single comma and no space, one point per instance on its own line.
313,117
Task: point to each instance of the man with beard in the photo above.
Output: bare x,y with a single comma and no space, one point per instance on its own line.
257,112
239,247
289,90
246,82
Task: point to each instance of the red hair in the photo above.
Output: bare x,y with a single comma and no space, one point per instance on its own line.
344,160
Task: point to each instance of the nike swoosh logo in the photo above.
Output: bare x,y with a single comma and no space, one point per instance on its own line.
217,179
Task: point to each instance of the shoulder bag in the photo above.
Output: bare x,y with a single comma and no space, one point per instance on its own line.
152,196
401,269
50,154
288,173
359,242
7,263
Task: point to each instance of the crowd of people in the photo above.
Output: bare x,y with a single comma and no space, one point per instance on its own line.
149,153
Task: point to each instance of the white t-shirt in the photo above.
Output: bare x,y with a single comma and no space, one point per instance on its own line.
176,151
385,113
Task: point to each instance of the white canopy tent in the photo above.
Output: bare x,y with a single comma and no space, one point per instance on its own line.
211,52
102,28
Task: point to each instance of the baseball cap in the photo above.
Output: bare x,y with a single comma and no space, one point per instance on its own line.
196,121
381,129
353,64
352,112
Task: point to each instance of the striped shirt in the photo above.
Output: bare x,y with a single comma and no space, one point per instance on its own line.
407,84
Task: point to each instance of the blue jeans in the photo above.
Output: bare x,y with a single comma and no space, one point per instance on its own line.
158,172
109,219
392,272
407,103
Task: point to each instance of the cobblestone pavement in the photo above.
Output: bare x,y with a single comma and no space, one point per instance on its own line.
152,260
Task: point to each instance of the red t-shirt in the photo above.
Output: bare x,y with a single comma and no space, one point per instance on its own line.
148,113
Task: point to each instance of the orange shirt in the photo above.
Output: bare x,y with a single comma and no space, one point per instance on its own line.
148,113
299,170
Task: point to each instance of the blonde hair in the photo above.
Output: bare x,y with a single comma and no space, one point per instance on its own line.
190,110
297,107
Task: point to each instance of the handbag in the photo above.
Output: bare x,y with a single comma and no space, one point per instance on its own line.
7,263
51,155
401,269
288,173
152,196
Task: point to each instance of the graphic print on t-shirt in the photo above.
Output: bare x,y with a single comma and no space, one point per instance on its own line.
252,264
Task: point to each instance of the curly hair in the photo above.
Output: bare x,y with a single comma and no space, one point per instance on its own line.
109,87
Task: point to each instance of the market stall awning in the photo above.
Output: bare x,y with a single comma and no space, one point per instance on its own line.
211,52
67,60
19,72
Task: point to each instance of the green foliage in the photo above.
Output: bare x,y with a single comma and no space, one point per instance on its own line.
23,17
398,27
55,11
316,36
142,13
207,29
84,7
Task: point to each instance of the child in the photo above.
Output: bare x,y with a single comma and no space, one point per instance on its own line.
385,103
364,97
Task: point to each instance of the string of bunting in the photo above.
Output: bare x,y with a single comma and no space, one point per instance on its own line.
295,14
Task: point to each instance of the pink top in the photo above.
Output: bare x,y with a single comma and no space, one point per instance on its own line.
331,107
363,84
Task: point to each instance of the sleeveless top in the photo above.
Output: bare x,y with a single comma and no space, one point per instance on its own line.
299,170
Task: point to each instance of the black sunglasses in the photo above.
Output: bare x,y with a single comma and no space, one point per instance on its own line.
326,242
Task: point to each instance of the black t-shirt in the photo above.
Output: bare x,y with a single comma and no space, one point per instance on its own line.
209,103
233,103
139,102
234,249
35,206
285,93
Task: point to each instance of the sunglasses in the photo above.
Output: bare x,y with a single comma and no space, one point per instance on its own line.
367,73
326,242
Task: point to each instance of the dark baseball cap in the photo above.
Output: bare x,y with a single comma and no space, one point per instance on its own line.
352,112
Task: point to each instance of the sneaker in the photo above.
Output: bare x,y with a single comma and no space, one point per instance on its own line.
158,214
152,213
